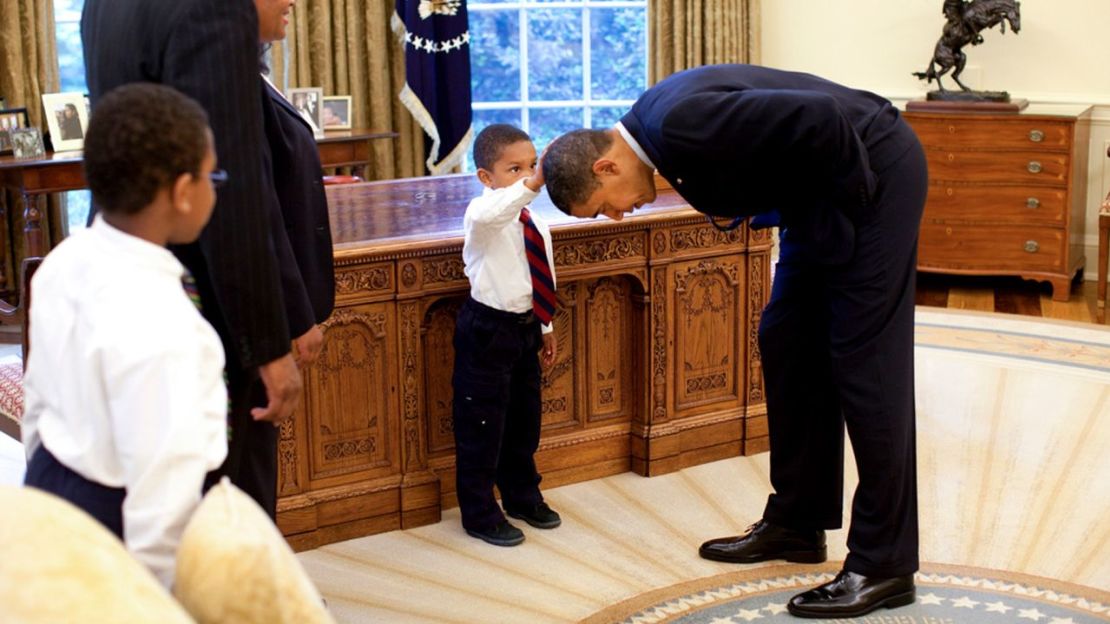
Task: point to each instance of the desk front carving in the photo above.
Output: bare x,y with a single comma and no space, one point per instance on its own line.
657,364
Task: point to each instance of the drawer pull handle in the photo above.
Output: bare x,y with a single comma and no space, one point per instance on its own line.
1031,246
1036,136
1032,202
1034,166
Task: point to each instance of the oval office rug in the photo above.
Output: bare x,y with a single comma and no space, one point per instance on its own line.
946,594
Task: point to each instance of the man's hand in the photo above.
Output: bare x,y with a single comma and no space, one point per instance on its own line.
283,389
547,354
307,346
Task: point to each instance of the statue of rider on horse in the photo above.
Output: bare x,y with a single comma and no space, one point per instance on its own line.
966,18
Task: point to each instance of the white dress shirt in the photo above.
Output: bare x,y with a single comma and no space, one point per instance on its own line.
124,382
496,263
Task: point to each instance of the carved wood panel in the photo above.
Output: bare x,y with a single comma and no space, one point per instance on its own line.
437,338
707,298
363,283
558,408
351,395
612,354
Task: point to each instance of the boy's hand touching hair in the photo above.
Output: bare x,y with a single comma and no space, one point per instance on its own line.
535,181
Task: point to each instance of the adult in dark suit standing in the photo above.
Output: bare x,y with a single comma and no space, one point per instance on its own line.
847,177
300,230
208,49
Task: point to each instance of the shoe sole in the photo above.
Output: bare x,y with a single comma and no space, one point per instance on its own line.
531,522
496,542
792,556
893,602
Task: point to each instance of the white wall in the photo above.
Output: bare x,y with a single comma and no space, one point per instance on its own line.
1062,54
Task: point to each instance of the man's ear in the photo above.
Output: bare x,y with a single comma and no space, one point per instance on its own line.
605,166
179,193
485,177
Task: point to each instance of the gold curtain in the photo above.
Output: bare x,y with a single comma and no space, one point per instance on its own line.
28,68
348,48
688,33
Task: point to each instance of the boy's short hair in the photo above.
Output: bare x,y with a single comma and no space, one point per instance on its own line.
494,138
141,137
568,166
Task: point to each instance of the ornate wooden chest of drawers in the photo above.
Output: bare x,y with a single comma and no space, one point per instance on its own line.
1006,193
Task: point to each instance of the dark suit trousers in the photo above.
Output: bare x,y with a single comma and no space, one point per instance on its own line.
837,349
251,462
496,411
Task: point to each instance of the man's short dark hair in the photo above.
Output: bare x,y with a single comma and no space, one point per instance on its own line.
494,138
568,166
141,138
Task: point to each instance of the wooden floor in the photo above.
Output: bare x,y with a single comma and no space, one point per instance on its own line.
1008,295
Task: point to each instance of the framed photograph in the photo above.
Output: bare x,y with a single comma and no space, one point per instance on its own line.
67,117
27,143
337,112
309,103
11,119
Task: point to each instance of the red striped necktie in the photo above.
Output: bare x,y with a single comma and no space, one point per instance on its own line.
543,286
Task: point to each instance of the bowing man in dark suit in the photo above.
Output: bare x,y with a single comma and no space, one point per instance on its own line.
208,49
847,178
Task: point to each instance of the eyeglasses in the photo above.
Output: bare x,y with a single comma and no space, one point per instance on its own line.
218,178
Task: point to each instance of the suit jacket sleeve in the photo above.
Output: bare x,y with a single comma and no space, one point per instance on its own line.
776,132
212,56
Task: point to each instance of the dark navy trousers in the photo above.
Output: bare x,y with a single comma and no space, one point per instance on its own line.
837,350
496,412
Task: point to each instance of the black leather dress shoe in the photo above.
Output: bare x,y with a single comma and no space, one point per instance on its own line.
502,534
765,541
852,595
539,515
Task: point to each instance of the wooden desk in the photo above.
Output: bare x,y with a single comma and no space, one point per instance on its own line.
658,366
62,172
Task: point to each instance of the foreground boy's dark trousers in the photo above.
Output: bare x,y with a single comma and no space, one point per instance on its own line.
496,411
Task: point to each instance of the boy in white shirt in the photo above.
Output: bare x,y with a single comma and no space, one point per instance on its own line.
126,408
499,334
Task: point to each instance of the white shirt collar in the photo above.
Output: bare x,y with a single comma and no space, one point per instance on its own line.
154,256
633,144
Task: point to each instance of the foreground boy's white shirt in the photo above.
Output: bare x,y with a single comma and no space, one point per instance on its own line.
124,382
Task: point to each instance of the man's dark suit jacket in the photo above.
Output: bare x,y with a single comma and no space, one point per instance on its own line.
309,279
741,140
208,50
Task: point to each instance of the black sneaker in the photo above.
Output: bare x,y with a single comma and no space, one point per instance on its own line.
501,534
539,515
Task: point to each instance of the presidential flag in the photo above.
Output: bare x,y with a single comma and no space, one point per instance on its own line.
436,40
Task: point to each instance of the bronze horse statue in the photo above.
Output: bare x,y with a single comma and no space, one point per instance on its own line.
965,20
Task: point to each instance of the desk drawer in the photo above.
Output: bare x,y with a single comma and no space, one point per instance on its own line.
1032,205
983,249
995,134
1000,167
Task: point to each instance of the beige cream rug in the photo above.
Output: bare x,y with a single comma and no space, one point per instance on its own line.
1014,465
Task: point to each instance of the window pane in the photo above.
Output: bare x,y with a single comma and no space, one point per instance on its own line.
555,54
77,204
483,118
606,116
71,63
618,55
68,9
495,55
547,123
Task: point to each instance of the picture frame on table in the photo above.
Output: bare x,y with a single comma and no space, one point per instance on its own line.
337,112
309,102
67,118
27,143
11,119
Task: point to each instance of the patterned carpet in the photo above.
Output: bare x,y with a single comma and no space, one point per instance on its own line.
1014,495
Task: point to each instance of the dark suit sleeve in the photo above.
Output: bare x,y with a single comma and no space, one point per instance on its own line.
212,56
769,132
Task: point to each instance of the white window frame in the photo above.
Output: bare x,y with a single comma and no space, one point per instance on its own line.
587,103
